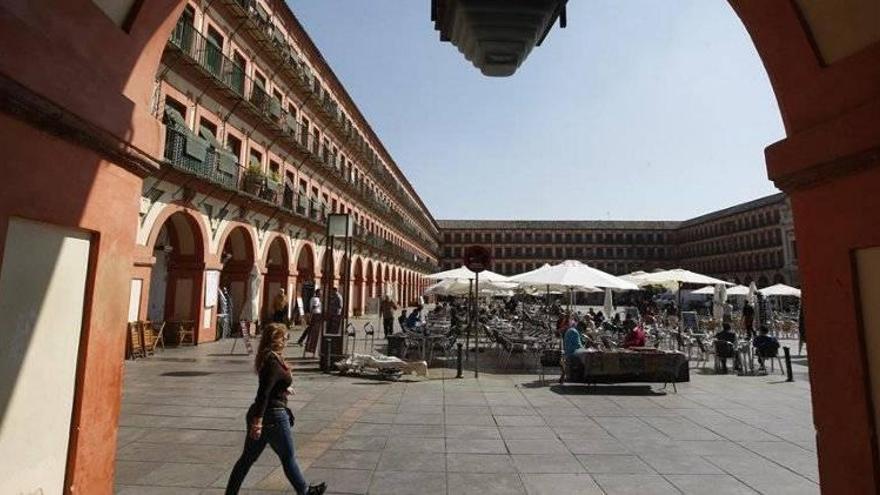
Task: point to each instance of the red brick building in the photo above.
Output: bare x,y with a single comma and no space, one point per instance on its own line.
752,241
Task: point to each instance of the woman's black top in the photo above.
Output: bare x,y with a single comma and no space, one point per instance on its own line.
272,393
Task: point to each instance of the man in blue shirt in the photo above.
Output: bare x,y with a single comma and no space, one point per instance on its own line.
573,347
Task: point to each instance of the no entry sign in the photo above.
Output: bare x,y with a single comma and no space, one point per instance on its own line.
477,258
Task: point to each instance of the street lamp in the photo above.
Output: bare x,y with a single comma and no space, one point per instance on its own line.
339,226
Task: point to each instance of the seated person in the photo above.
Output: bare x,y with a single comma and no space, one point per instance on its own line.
635,337
573,346
765,346
402,319
629,323
415,317
725,346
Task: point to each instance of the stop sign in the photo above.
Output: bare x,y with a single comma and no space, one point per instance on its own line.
477,258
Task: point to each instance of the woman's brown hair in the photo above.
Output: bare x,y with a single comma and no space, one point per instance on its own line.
272,340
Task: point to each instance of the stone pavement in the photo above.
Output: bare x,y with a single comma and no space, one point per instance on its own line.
182,428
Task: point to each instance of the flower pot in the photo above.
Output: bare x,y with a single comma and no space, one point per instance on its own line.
253,184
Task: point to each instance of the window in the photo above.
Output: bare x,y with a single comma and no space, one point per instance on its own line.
207,127
256,158
171,103
214,52
274,168
233,144
304,130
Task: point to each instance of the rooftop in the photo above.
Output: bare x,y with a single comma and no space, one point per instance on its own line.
610,224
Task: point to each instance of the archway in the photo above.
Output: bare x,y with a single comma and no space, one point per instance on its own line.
828,96
380,277
357,304
237,256
305,276
176,277
328,272
277,274
370,281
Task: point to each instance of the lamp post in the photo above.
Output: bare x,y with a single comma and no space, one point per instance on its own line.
339,225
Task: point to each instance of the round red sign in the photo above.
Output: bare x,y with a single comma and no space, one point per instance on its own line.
477,258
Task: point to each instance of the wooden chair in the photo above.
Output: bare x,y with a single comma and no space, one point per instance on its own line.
135,344
148,337
705,352
186,332
152,336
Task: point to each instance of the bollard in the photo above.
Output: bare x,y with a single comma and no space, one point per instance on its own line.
787,352
326,354
459,375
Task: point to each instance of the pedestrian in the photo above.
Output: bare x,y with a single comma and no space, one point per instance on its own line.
268,419
279,307
313,332
334,311
387,309
749,319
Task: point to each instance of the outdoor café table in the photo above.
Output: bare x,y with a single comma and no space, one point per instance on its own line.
642,365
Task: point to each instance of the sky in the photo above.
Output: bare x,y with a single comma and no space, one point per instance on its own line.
638,110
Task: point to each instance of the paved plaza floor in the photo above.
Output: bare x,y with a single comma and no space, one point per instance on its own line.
182,428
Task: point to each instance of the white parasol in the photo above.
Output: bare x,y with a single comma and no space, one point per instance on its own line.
463,273
780,290
574,274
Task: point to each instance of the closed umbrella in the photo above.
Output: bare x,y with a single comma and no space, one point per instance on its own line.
718,301
608,306
753,300
252,306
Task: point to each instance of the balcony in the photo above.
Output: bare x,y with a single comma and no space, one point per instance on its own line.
230,79
186,151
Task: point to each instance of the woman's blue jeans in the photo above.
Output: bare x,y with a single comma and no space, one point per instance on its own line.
276,432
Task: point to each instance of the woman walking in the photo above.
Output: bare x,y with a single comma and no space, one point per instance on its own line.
268,419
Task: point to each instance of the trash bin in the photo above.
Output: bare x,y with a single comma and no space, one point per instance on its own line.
396,345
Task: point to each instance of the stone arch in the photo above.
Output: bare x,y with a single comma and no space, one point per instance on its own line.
237,258
381,277
370,280
194,220
176,277
821,98
276,259
305,274
328,270
357,278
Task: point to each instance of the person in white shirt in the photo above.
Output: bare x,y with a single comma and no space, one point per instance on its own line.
313,333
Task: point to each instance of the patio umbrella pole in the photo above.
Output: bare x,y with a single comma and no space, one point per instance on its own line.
476,327
470,319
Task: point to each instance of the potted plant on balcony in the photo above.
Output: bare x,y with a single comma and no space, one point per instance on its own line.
271,187
254,179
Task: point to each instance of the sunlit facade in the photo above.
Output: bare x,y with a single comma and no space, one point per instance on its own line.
752,241
262,142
